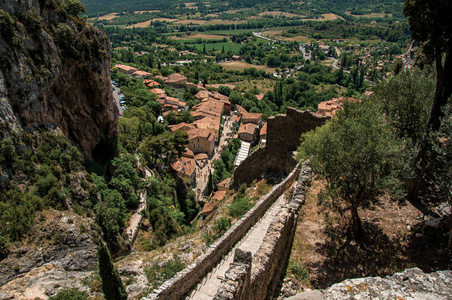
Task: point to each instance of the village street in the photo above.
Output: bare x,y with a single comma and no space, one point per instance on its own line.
202,174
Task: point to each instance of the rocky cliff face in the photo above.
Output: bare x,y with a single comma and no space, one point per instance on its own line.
55,73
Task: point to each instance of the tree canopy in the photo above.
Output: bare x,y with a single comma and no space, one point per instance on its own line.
358,155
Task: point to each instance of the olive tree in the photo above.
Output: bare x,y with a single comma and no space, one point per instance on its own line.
359,156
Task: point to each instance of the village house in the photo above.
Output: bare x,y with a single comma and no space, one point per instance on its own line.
329,108
181,126
210,205
210,107
224,185
211,123
247,132
140,74
185,168
176,102
126,69
201,159
159,92
263,132
176,80
151,83
237,57
202,95
255,118
240,110
201,141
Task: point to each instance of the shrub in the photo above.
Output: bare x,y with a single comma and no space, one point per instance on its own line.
70,294
157,273
240,205
298,271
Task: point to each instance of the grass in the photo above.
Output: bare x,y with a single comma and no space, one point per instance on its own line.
262,85
241,65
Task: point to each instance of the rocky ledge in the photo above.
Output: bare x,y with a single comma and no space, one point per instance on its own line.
410,284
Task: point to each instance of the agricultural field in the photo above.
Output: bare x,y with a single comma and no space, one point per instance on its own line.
195,37
147,23
279,14
224,22
190,21
241,65
109,16
326,17
371,15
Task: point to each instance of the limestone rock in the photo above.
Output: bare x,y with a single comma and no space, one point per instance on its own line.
409,284
55,74
308,295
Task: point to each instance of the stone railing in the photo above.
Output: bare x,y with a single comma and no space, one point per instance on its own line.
265,268
187,279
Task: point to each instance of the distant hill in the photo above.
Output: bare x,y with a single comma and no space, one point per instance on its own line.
99,7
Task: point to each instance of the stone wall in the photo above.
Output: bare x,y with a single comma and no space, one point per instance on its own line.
187,279
236,281
268,263
283,137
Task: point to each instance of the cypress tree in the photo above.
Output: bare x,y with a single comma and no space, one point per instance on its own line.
111,282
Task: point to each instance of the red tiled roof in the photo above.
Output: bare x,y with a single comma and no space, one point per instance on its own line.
249,128
141,73
201,156
199,132
263,130
219,196
241,110
225,183
252,116
184,166
125,68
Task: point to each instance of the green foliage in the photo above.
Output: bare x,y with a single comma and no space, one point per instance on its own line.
240,206
359,156
163,147
73,7
169,207
440,164
112,286
3,245
406,100
224,90
42,164
219,227
297,270
429,23
157,273
70,294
